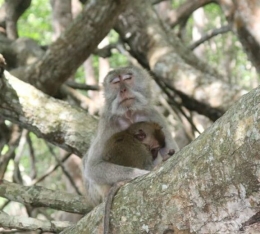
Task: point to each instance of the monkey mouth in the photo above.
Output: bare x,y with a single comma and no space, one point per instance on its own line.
127,100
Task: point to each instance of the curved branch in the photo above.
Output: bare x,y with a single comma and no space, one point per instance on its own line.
210,34
183,12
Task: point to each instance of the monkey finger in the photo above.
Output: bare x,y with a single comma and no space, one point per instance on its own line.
171,152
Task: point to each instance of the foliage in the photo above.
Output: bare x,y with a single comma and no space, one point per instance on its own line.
35,23
224,52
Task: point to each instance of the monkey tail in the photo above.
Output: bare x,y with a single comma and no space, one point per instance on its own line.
108,205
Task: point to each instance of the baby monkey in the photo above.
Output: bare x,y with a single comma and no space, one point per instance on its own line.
138,147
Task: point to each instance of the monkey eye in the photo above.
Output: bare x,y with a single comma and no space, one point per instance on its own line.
127,76
115,80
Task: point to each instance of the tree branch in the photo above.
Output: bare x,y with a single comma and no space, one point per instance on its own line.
26,223
158,51
38,196
54,120
183,12
74,45
76,85
64,170
210,34
13,10
50,170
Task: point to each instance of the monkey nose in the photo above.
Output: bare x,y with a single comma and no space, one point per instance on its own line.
123,90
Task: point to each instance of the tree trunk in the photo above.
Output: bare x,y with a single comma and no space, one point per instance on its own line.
244,17
210,186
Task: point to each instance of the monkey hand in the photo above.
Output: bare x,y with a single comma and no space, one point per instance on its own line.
138,172
171,152
165,158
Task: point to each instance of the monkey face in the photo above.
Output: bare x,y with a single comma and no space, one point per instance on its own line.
127,89
123,84
150,134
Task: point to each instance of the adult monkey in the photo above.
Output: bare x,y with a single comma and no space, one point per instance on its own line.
127,100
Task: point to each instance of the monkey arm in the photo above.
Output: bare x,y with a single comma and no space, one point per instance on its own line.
102,172
109,173
100,175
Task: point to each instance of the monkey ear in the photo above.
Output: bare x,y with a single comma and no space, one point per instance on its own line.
140,135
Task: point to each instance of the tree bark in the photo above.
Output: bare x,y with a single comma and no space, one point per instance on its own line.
38,196
13,10
74,45
210,186
243,15
61,16
58,122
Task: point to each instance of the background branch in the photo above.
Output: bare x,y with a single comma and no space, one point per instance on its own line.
26,223
38,196
210,34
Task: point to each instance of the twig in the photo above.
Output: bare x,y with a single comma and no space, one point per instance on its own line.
33,173
86,87
51,169
66,173
2,65
210,34
17,173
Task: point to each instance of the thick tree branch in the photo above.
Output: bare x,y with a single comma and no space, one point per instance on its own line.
38,196
55,121
244,18
187,101
210,186
13,10
74,45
